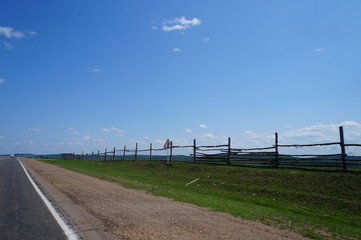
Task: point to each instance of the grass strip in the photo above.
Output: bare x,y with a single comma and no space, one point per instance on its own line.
319,205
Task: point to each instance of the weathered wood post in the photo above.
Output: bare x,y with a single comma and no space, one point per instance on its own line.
86,156
150,152
276,151
136,152
105,155
194,150
125,149
113,153
82,155
171,151
229,152
98,156
343,150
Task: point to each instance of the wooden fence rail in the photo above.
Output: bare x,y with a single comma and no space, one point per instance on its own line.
273,156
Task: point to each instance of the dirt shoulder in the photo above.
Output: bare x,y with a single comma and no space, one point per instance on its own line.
106,210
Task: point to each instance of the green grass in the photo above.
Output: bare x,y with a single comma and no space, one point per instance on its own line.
316,204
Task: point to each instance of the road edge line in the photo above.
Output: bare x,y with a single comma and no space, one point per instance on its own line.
69,233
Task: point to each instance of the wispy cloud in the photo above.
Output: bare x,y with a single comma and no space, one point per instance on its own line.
176,49
10,32
98,140
325,132
115,130
32,33
321,49
72,131
8,45
2,80
34,129
202,126
187,130
2,137
68,143
207,39
209,136
180,24
86,138
95,69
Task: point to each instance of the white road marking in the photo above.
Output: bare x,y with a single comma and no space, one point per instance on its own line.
71,235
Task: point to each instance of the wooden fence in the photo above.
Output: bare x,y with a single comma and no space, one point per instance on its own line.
273,156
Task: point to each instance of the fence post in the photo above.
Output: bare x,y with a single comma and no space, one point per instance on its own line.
86,156
343,150
125,149
171,151
113,153
82,155
98,156
136,152
229,152
105,155
276,151
150,152
194,150
92,155
74,156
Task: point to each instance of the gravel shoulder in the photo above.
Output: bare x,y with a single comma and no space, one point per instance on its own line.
101,209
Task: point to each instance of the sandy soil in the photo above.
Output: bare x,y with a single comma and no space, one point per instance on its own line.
112,211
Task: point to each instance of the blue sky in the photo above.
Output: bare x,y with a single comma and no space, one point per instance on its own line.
85,75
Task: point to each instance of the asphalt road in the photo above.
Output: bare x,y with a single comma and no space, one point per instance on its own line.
23,215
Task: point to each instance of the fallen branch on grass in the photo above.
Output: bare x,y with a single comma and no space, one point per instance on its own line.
195,180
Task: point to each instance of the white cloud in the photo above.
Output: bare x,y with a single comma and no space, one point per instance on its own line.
9,32
98,140
2,137
176,49
207,39
32,33
320,49
202,126
95,69
187,130
8,45
34,129
180,24
72,131
119,134
68,143
116,131
28,141
326,132
154,27
86,138
2,80
209,136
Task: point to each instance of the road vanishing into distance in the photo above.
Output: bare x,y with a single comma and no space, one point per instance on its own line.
23,214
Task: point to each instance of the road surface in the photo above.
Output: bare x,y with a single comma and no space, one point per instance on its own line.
23,215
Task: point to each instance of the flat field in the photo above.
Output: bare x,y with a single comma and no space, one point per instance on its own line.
320,205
